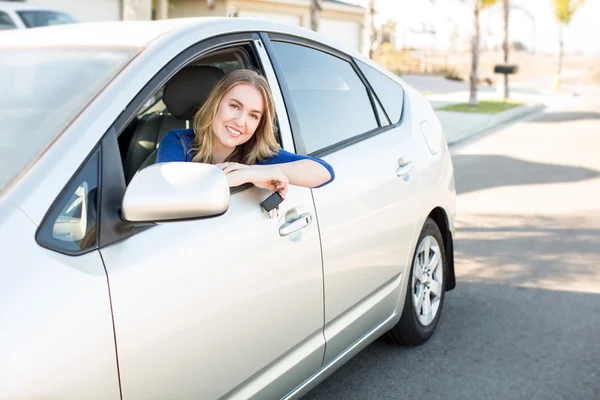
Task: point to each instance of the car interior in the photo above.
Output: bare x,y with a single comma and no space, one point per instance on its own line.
174,105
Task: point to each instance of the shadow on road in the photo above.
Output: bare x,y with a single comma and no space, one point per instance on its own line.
492,342
529,250
502,170
566,117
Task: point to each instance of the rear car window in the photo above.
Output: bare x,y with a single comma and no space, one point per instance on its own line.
389,92
37,18
43,90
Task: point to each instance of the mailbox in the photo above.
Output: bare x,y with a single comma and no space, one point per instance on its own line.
506,69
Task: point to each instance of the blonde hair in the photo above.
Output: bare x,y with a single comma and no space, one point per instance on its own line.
262,145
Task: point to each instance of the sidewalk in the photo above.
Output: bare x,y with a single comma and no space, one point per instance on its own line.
461,125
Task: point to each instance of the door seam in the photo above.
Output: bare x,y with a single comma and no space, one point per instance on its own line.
322,274
112,315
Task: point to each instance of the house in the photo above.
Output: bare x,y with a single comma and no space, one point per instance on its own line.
339,21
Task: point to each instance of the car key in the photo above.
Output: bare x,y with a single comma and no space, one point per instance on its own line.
272,203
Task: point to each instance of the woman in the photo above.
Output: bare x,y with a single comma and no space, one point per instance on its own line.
234,130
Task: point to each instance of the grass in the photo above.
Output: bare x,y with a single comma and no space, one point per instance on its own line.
488,107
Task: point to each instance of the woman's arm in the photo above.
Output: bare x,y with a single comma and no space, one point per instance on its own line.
304,172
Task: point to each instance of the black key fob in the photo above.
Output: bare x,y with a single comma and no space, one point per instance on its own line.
271,202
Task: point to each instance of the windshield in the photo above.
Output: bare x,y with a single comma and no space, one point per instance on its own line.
41,92
37,18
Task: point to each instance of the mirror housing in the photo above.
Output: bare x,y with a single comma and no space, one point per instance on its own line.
176,191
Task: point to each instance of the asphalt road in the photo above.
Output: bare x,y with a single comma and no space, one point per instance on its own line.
524,319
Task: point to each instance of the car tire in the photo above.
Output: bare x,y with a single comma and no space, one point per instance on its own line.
419,317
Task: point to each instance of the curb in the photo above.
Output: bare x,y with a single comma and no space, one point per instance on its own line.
498,121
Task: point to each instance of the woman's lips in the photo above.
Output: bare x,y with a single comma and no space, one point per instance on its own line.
233,132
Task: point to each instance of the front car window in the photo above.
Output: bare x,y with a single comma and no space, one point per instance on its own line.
37,18
6,22
43,90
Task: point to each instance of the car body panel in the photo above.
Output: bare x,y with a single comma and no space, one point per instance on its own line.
188,296
367,237
55,319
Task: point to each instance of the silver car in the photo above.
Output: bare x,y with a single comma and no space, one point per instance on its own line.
123,278
18,15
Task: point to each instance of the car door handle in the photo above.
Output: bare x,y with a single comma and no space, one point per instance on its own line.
404,168
301,222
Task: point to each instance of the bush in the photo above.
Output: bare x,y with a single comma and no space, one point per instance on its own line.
453,76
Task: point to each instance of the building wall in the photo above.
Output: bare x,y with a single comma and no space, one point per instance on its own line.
337,22
198,8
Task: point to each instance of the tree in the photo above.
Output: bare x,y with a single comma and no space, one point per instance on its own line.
478,5
564,10
315,9
369,31
505,48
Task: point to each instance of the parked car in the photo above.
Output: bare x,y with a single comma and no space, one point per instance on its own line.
17,15
120,277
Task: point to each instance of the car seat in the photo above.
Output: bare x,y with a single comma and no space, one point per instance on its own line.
184,94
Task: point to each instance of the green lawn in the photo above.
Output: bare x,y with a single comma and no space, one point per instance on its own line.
490,107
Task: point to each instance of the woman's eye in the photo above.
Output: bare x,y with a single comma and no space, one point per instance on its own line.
254,116
234,106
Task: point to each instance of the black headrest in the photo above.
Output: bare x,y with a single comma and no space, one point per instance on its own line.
189,88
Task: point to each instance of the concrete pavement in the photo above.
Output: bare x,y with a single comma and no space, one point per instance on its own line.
459,126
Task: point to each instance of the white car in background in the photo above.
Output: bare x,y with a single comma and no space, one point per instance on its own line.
18,15
125,279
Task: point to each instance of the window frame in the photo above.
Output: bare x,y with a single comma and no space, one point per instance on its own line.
111,226
375,92
270,37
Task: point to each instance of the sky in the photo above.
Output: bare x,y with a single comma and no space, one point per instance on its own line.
447,15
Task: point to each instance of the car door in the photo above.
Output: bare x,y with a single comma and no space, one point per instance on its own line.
367,216
219,307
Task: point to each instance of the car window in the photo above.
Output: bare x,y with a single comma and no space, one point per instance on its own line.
388,91
330,99
6,22
47,88
71,224
35,18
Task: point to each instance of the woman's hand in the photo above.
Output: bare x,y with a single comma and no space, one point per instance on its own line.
263,176
269,177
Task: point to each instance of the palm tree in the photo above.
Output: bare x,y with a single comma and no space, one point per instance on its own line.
505,49
478,5
564,10
369,32
315,9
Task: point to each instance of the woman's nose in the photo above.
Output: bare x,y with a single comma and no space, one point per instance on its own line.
239,119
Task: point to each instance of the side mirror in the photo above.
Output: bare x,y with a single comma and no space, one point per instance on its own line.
176,191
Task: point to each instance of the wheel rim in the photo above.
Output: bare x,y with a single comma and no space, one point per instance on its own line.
427,280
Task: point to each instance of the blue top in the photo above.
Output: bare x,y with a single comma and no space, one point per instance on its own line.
173,147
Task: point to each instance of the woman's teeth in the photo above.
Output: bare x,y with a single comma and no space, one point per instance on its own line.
233,132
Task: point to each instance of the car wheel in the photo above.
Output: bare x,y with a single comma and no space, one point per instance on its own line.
426,289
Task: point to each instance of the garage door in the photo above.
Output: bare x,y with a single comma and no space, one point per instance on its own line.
92,11
283,18
344,32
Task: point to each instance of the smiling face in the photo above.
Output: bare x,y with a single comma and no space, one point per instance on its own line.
238,116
